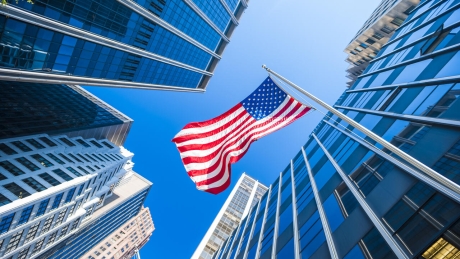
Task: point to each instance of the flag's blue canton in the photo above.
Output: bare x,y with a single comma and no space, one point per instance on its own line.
264,100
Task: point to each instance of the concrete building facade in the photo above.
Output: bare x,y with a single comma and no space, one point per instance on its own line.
246,193
51,186
125,241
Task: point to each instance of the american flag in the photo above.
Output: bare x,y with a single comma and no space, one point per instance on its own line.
208,148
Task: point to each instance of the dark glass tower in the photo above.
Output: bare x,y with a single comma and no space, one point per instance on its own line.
31,108
147,44
343,195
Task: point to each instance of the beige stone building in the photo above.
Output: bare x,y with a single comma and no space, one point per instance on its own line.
126,240
375,33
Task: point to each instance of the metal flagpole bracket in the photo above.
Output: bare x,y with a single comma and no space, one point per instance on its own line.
409,159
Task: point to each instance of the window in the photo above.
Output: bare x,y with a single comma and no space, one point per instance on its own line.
75,158
32,231
23,253
347,200
75,224
386,29
90,157
376,245
14,242
47,224
90,168
16,190
97,253
84,158
63,232
70,195
82,169
75,172
66,158
409,10
6,223
311,236
397,21
51,239
102,248
8,166
49,179
42,160
370,41
55,158
71,209
63,175
42,207
67,142
21,146
107,244
35,143
83,143
57,201
60,217
81,189
4,200
98,158
107,156
103,157
29,165
25,215
38,246
88,212
47,141
94,142
7,150
107,144
363,45
101,199
439,40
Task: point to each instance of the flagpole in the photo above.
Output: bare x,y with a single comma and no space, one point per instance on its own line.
414,162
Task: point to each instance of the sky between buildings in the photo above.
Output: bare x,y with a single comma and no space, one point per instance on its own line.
302,40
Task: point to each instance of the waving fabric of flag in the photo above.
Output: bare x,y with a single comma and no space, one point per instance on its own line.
208,148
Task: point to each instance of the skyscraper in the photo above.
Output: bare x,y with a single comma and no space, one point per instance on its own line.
245,194
125,241
146,44
343,195
376,31
30,108
126,203
52,186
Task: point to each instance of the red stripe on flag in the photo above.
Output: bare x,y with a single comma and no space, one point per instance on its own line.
235,159
248,138
188,160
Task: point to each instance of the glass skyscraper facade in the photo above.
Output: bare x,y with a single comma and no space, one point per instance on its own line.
343,195
30,108
147,44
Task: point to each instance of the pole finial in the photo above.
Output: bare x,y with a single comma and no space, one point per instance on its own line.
265,67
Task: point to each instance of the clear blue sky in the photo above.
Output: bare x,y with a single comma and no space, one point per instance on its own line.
300,39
